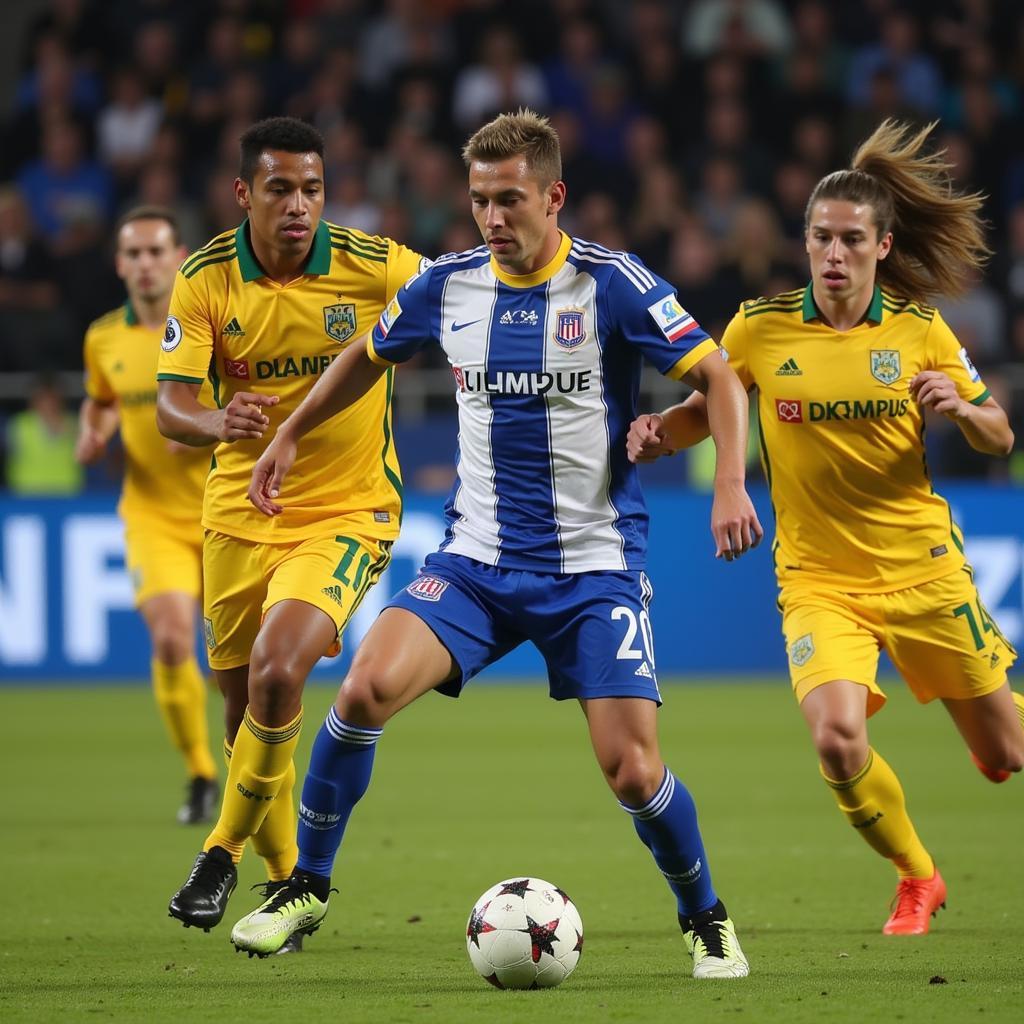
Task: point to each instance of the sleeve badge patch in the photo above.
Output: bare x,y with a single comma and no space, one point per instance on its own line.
392,311
673,321
969,366
172,334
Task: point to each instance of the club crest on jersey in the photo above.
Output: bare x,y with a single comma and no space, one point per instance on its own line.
340,321
569,328
885,365
801,650
427,588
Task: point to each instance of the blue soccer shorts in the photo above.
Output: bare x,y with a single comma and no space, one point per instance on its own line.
593,628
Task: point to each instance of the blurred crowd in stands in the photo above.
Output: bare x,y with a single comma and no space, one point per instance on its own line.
692,133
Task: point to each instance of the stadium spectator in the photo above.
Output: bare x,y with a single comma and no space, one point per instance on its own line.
502,80
749,28
64,188
127,125
898,53
41,445
33,330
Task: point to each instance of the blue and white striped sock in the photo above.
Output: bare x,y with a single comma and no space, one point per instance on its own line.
339,772
667,825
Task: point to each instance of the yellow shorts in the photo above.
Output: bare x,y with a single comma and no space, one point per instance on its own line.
245,579
162,558
939,636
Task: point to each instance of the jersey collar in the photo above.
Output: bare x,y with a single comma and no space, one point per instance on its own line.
318,261
874,313
552,267
130,316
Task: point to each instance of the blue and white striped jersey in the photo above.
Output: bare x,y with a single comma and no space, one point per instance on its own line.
547,374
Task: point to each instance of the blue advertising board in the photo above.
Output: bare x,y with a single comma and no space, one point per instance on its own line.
66,609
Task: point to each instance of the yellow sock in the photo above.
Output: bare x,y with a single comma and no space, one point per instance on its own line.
873,804
275,840
260,761
1018,699
181,697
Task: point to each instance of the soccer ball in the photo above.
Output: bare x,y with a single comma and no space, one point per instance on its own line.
524,933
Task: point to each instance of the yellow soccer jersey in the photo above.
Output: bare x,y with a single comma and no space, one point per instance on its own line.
120,363
842,440
230,322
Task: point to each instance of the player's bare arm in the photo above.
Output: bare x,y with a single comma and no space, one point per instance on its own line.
985,426
97,422
344,382
653,434
181,417
734,523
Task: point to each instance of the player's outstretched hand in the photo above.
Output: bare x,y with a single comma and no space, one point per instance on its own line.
269,472
646,439
734,523
933,389
89,447
244,418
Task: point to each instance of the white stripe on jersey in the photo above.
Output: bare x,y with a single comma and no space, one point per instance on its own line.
466,316
640,277
578,438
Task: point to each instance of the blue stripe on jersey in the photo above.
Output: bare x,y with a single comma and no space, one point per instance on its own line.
519,432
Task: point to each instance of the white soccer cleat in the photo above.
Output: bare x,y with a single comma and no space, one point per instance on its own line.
711,940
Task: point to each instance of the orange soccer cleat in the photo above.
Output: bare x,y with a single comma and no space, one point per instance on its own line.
992,774
916,900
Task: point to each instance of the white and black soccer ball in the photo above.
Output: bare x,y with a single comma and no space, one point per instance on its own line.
524,933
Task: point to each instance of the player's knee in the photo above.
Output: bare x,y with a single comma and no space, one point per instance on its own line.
842,748
634,778
171,644
367,696
275,682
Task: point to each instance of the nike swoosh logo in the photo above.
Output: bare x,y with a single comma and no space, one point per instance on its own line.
459,327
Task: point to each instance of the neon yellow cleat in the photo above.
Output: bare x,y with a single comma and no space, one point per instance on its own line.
290,910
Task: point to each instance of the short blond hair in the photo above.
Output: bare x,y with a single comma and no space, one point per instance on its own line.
524,133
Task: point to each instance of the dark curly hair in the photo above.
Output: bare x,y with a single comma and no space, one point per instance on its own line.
288,134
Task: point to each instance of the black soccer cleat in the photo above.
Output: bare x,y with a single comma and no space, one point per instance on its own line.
200,806
202,900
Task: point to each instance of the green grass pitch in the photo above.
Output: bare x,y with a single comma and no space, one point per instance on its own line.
500,783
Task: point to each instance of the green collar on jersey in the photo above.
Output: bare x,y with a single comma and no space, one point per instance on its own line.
318,261
874,313
130,316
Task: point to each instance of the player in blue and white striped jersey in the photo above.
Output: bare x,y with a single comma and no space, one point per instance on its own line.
547,527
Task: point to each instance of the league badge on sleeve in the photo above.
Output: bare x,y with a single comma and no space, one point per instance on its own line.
671,318
392,311
172,334
972,371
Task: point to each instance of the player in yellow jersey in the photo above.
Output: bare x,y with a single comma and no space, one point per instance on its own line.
263,311
866,553
162,497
